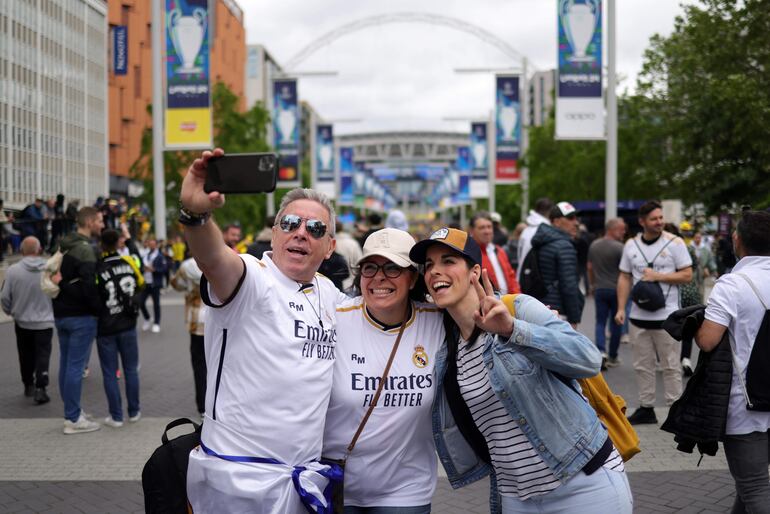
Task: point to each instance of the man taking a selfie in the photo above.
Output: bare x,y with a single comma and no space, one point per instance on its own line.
270,339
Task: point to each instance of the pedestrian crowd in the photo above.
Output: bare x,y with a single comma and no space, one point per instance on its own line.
327,355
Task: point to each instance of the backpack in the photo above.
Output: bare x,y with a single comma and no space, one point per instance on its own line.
52,267
164,477
531,281
757,386
649,295
610,408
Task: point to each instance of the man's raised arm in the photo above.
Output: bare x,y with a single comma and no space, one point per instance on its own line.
221,266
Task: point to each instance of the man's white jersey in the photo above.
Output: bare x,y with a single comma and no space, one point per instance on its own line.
270,349
394,462
673,257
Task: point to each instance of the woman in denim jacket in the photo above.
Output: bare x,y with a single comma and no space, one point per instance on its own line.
507,402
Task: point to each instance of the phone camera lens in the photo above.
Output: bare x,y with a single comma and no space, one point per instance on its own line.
266,163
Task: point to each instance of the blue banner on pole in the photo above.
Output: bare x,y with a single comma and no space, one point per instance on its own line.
463,166
188,99
120,50
347,192
479,150
579,102
508,128
324,149
286,120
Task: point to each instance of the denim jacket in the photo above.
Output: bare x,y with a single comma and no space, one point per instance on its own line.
561,426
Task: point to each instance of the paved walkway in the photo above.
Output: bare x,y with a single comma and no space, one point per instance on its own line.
41,470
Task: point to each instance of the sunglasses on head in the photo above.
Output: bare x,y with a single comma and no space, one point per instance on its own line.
291,222
389,269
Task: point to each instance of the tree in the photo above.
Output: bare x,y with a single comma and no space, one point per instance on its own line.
234,131
703,91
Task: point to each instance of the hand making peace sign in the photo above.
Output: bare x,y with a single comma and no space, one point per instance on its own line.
493,316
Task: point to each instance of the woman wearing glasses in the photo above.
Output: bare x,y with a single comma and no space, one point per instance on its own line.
392,467
506,400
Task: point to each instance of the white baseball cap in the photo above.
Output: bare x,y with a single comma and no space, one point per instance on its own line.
391,243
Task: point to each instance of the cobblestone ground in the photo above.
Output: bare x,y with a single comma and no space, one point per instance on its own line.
41,470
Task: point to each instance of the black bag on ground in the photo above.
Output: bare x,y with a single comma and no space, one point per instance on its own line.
164,477
531,281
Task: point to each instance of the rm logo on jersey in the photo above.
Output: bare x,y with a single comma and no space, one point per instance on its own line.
419,357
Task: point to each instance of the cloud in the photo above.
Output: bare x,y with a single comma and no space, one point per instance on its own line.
400,75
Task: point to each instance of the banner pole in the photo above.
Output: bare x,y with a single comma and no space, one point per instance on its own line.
159,183
524,144
611,180
492,129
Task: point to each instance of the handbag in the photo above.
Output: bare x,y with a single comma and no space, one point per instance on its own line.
649,295
610,408
338,491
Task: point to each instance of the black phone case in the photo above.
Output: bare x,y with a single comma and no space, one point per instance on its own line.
244,183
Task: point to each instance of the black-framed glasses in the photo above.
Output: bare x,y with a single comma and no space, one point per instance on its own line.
291,222
389,269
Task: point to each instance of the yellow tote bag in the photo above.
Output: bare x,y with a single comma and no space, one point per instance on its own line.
610,407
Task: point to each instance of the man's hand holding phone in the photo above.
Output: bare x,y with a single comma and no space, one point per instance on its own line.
192,196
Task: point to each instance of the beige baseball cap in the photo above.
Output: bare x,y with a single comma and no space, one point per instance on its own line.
391,243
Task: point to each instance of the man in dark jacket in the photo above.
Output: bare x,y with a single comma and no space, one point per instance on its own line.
557,259
118,278
75,310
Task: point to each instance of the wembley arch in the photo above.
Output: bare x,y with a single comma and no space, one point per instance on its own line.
403,17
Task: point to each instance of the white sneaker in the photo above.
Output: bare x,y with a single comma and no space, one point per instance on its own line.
625,339
155,328
81,426
146,325
134,419
111,422
687,367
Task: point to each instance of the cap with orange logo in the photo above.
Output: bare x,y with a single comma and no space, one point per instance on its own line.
451,237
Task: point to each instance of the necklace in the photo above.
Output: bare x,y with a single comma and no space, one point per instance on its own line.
302,289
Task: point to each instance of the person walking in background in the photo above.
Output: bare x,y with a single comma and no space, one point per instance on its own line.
493,257
348,247
557,258
187,279
603,260
500,237
76,309
689,294
232,235
543,207
119,279
58,223
261,243
154,270
740,305
397,219
707,265
512,247
659,258
32,313
4,220
178,248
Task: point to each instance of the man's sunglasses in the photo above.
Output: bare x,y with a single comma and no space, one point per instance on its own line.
389,269
291,222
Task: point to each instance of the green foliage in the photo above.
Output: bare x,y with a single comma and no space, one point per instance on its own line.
706,102
235,132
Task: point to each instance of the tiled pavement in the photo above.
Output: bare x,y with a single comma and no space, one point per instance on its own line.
41,470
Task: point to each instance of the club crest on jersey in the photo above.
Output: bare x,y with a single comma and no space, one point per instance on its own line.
419,357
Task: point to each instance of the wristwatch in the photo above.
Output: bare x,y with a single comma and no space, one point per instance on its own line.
192,219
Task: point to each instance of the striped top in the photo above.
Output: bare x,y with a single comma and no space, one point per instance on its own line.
520,470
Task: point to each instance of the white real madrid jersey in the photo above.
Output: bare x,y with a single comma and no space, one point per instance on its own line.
269,354
393,463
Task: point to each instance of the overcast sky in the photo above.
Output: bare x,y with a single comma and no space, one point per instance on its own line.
400,76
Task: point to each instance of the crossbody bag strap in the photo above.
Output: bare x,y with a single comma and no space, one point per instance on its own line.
380,385
753,288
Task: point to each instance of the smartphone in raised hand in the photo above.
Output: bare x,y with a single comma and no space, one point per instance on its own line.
242,173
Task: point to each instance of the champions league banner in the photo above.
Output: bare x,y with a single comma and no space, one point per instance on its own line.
188,101
508,128
324,150
347,170
579,100
463,166
478,150
286,130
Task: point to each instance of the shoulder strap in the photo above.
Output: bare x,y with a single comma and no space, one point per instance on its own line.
380,385
649,263
753,288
